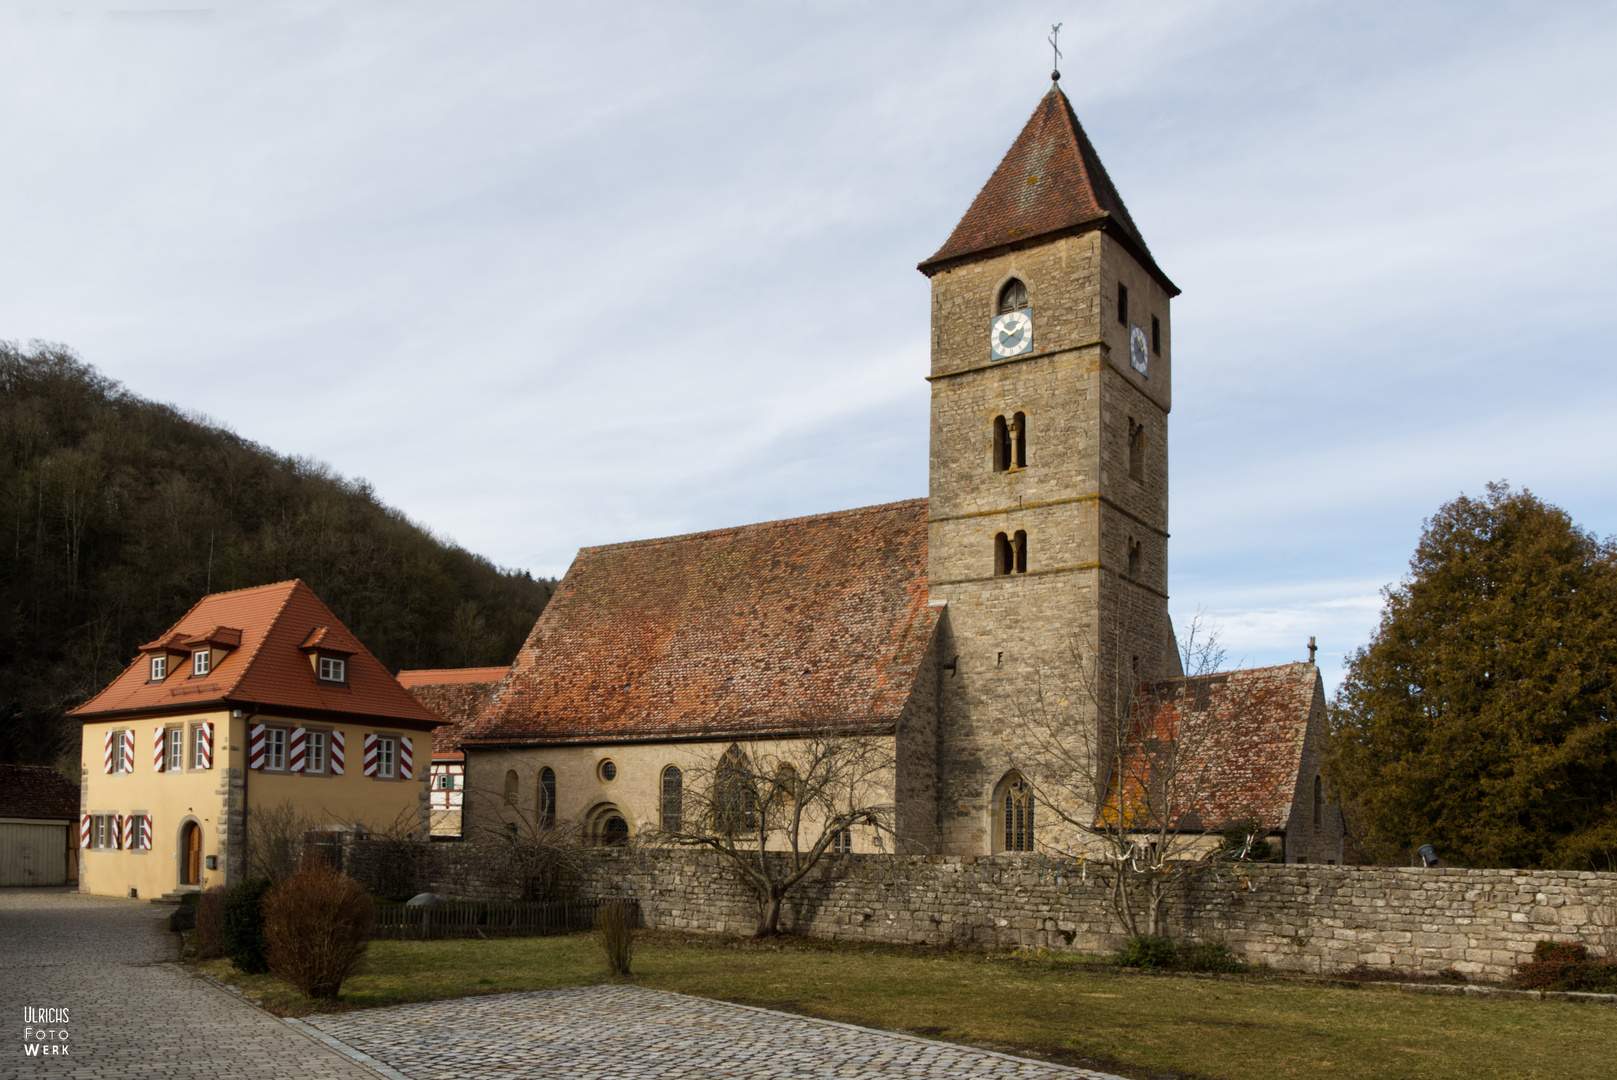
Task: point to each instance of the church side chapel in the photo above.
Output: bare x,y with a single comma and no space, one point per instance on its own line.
928,625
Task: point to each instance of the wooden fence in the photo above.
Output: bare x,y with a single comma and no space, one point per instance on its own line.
510,918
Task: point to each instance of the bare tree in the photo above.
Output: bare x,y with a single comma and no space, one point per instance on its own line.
775,808
541,851
1125,766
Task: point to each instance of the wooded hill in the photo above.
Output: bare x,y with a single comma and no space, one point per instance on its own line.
118,513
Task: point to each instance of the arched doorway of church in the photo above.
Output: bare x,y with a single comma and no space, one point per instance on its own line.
191,854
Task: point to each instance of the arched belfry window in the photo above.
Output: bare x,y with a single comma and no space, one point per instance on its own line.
1018,434
547,798
673,799
1002,445
1010,553
1016,812
1013,297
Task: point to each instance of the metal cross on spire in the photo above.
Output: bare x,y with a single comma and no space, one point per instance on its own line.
1055,64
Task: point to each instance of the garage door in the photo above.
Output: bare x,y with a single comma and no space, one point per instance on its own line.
33,854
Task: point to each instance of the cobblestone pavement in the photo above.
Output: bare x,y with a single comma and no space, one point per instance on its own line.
629,1033
132,1013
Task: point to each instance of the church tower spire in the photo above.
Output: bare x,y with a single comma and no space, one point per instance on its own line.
1048,511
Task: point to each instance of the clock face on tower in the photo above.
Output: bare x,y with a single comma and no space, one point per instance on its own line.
1010,334
1139,359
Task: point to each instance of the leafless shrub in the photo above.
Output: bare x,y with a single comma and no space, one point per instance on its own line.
209,940
614,929
317,926
541,852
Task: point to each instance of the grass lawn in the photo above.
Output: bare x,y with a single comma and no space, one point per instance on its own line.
1065,1009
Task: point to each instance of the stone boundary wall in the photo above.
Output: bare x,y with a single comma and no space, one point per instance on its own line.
1309,917
1312,918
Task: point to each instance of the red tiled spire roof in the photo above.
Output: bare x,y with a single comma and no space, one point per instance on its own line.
267,670
1050,182
813,622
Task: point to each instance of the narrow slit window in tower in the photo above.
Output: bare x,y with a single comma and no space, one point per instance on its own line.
1019,551
1136,450
1319,802
1002,444
1134,557
1018,814
1018,440
1122,303
1156,335
1013,297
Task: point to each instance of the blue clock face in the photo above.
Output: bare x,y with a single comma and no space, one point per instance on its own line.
1010,334
1139,359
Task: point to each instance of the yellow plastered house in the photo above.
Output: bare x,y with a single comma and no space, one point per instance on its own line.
256,699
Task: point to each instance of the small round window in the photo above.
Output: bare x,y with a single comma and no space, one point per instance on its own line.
608,771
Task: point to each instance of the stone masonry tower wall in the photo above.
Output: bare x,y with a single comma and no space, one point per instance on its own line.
1095,521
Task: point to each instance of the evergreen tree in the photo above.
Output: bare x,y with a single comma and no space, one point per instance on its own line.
117,514
1479,718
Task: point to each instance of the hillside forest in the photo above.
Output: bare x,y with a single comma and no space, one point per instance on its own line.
119,513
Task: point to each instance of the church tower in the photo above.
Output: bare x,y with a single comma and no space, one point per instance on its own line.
1048,519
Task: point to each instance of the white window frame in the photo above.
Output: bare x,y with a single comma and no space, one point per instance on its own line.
100,832
316,747
201,661
174,747
446,781
387,757
196,746
275,739
159,668
118,737
333,669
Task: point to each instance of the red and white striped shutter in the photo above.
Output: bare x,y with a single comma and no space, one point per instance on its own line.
160,750
146,832
205,743
255,746
406,758
370,754
106,753
336,753
84,831
118,823
295,751
129,751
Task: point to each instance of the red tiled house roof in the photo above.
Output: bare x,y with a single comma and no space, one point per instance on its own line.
1049,183
35,791
459,695
1245,733
785,626
268,669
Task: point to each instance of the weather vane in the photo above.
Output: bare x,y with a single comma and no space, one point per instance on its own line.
1055,32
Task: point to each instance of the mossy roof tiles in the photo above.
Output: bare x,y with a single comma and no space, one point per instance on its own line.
810,623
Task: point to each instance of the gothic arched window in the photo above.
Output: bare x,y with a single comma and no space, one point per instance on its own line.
673,799
1016,809
547,798
1013,297
736,793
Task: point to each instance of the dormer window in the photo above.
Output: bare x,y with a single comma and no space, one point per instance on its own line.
201,662
333,669
159,668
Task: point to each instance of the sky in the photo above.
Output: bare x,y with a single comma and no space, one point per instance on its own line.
550,275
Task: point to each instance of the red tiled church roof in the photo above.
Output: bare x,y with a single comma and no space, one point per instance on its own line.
1245,734
1050,181
268,670
459,695
784,626
36,791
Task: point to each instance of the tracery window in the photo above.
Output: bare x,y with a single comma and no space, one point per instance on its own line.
547,798
737,798
1017,809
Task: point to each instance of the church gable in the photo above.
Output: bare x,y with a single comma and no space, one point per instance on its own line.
812,622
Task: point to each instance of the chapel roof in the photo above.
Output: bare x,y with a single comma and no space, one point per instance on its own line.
1244,732
37,791
276,626
459,695
785,626
1050,182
